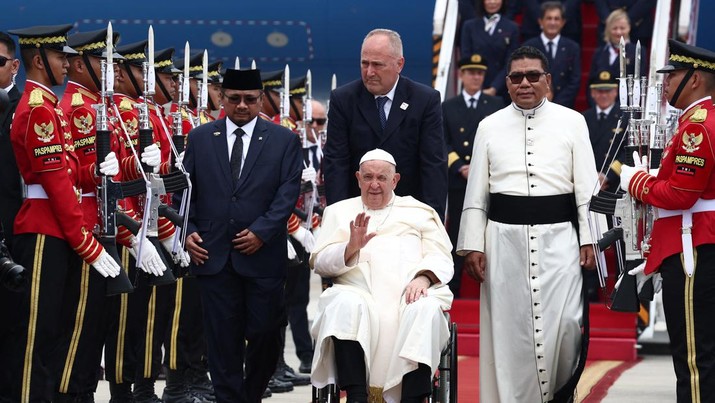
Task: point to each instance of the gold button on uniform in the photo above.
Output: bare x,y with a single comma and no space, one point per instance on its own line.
466,143
461,130
467,158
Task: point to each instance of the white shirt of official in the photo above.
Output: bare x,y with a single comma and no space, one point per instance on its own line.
467,97
390,96
231,136
554,41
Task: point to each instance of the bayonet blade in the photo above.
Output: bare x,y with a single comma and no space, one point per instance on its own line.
151,74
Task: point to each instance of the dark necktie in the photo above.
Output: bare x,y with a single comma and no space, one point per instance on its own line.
314,156
381,110
237,154
602,116
550,49
472,103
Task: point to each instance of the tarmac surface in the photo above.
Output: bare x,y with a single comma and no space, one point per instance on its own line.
651,380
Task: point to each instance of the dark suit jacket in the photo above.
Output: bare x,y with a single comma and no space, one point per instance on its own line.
565,69
10,184
601,135
495,48
460,126
262,200
531,12
413,135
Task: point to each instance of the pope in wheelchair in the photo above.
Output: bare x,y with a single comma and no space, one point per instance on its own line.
380,329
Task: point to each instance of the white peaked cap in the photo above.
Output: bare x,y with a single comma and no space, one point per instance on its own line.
378,155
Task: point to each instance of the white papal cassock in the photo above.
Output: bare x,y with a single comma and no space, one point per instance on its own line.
366,302
531,302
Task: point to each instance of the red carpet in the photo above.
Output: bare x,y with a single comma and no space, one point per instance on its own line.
597,378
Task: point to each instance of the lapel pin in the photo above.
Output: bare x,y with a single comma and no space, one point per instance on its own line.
404,106
260,138
217,134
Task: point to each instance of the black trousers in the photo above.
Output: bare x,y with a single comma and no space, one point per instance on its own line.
123,328
689,303
243,317
184,341
297,297
350,364
31,320
137,324
84,330
156,305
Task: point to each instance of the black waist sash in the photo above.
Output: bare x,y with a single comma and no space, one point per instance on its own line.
532,210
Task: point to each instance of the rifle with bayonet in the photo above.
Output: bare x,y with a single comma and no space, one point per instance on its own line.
109,192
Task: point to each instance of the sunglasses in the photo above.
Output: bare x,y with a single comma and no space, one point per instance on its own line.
4,60
237,99
531,76
319,121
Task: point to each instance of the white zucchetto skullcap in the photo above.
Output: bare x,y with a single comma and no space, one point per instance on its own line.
378,155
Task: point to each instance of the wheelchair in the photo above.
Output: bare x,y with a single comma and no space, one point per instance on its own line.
444,382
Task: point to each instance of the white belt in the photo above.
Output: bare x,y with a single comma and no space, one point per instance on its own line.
36,191
89,194
687,228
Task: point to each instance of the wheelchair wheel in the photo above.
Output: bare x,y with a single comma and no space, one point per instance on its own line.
445,381
328,394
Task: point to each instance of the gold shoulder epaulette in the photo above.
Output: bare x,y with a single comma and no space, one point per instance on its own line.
77,99
699,116
125,105
36,98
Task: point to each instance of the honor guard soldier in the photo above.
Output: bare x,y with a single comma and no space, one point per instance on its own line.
52,237
127,313
185,344
188,107
272,84
682,245
461,116
160,304
215,80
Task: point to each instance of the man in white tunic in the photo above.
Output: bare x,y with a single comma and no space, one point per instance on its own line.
380,328
524,234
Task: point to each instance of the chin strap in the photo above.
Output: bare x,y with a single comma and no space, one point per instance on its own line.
137,88
163,90
681,87
48,69
92,74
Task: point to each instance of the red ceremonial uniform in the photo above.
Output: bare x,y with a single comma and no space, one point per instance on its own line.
45,155
685,175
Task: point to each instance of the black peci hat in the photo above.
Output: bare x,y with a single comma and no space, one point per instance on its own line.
684,56
52,37
242,80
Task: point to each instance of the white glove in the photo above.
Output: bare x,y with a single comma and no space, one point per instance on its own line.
627,172
305,238
151,156
106,265
291,251
179,161
151,261
181,257
642,278
316,233
308,175
110,166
